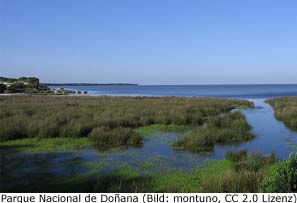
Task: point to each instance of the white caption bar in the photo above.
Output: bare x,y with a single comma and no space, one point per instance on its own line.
145,197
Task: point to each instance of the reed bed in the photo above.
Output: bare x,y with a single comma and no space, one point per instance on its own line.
108,121
231,127
285,110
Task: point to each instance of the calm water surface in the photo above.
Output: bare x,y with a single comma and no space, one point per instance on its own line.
271,135
241,91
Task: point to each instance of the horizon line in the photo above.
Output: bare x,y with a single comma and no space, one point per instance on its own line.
127,83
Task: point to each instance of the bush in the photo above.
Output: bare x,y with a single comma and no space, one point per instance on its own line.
285,180
2,88
16,87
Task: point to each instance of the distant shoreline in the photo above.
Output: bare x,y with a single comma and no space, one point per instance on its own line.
88,84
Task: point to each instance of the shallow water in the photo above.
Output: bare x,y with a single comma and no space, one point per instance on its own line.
239,91
271,136
158,154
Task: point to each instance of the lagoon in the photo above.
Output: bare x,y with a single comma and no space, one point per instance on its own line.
156,155
157,152
272,135
237,91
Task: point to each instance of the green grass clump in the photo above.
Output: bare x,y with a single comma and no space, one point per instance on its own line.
239,172
74,117
46,145
236,156
232,182
285,110
173,181
150,129
104,137
224,129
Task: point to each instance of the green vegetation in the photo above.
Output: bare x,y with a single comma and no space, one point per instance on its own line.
42,137
64,172
2,88
239,172
225,129
28,85
113,121
285,110
27,80
104,136
285,178
47,144
21,85
150,129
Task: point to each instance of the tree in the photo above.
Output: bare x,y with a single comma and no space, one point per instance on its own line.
16,87
2,88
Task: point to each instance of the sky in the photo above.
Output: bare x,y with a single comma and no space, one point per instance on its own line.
150,41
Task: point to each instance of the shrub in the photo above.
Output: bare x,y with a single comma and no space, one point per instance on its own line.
285,180
16,87
2,88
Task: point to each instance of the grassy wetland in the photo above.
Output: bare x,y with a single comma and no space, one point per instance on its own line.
285,110
110,121
71,144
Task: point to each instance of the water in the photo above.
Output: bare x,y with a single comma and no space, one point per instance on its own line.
157,153
271,136
238,91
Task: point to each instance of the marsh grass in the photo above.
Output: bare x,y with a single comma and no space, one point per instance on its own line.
227,128
239,172
106,120
285,110
73,174
106,137
151,129
47,144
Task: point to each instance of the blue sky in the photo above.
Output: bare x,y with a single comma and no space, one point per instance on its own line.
150,41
